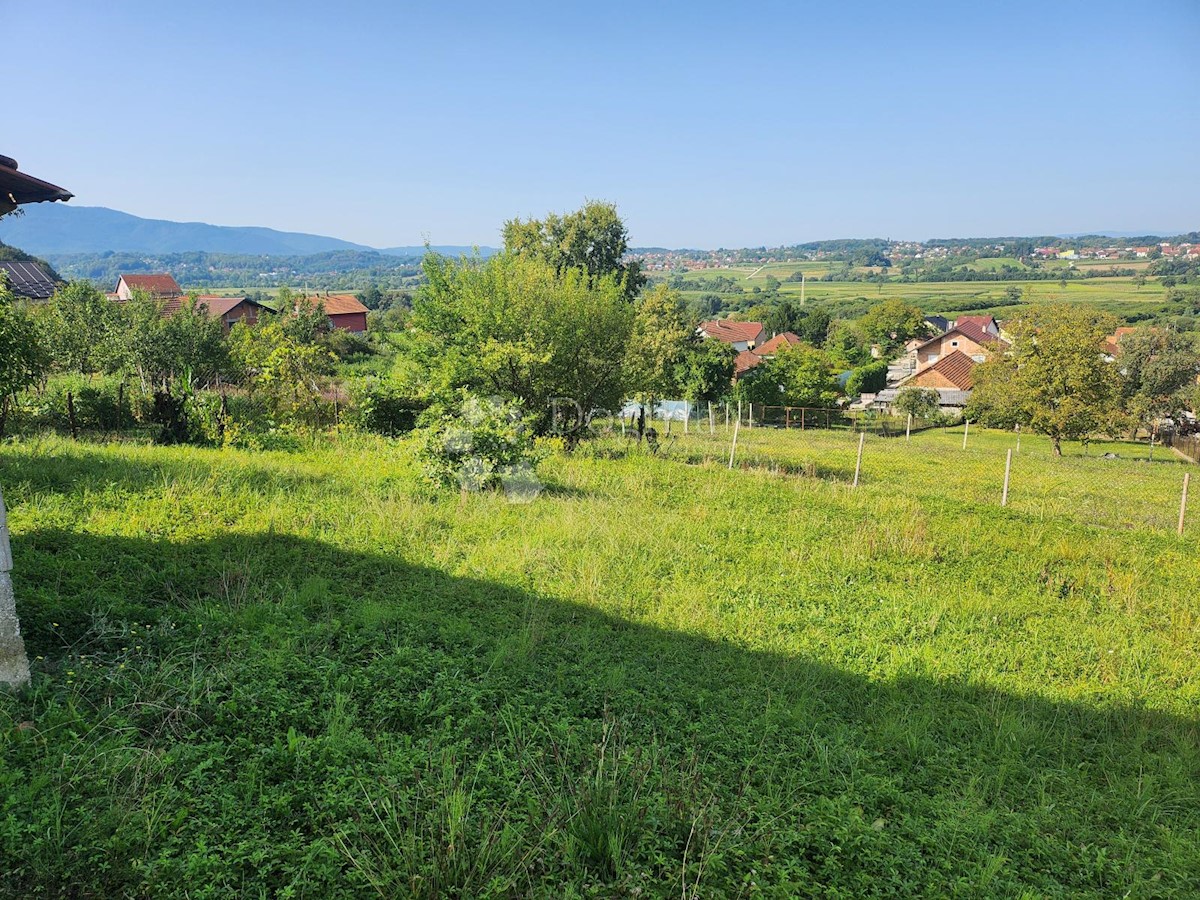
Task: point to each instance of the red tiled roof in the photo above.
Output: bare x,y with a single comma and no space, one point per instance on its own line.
159,285
777,343
1112,343
975,331
731,332
745,361
956,367
339,304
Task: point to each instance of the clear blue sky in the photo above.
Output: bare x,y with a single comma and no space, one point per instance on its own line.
708,124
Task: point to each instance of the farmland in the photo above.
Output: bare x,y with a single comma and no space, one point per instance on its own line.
302,674
1122,296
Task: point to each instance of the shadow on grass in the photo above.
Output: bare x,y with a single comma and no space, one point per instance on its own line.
290,716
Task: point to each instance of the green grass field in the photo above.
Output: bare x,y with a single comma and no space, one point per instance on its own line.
299,675
1121,296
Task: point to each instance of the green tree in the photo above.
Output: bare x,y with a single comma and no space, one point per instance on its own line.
705,373
920,403
658,344
24,355
892,323
1055,380
82,325
868,379
513,326
797,376
1157,369
592,239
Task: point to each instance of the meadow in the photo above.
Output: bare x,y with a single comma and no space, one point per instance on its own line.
304,675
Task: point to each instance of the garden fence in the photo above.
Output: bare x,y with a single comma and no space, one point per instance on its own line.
1118,484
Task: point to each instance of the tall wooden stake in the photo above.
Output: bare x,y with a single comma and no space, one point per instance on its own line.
733,446
862,436
1187,479
1007,472
966,428
908,427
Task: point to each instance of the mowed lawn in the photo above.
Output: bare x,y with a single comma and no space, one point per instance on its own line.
299,675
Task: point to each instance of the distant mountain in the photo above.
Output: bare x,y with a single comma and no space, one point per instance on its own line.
58,228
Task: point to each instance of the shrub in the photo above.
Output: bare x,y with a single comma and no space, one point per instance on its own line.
868,379
478,445
920,403
384,407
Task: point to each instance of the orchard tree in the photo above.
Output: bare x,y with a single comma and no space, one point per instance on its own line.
920,403
514,327
705,373
592,239
892,324
658,344
1055,379
24,355
1157,369
83,326
797,376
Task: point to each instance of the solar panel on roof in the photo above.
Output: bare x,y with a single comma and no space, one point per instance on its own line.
27,279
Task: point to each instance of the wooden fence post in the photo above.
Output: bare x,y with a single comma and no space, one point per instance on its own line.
733,446
14,664
966,429
1007,472
71,416
862,436
908,427
1187,478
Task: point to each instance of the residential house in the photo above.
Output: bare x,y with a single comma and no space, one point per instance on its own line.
160,287
748,359
231,310
28,280
344,311
742,336
972,335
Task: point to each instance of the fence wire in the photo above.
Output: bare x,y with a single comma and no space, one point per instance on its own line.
1116,484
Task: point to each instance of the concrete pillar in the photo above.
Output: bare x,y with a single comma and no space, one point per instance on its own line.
14,664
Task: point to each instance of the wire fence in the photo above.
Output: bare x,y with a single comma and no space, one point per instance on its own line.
1117,484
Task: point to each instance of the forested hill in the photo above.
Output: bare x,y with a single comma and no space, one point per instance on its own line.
333,270
59,228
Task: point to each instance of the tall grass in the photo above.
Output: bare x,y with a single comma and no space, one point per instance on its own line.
300,675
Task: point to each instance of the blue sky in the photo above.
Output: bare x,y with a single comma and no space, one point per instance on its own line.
707,124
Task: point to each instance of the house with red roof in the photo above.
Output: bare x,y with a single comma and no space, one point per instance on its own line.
344,311
160,287
971,335
741,336
748,359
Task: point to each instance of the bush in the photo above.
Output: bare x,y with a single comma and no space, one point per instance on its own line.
101,404
868,379
384,407
478,446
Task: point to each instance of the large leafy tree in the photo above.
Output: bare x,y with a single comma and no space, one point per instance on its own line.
658,343
892,323
24,355
705,373
515,327
592,239
1055,380
83,327
797,376
1157,368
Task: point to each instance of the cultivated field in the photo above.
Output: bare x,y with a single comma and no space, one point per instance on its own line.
262,673
1122,296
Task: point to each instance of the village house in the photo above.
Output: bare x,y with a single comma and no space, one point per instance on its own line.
748,359
972,335
344,311
742,336
160,287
